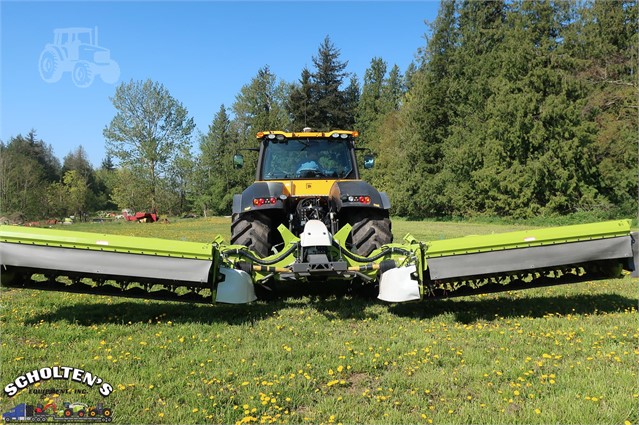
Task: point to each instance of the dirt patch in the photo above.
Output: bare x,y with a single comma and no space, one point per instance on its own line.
358,382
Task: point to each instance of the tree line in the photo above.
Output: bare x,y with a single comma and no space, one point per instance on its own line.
512,108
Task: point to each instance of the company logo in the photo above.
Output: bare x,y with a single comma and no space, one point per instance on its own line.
52,412
76,50
64,373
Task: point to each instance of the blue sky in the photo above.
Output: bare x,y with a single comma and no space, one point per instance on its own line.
203,53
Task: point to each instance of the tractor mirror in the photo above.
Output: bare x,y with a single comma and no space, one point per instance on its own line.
238,160
369,161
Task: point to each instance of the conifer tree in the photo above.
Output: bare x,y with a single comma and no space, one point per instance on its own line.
299,102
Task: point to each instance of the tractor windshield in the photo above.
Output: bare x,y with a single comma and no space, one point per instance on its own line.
306,159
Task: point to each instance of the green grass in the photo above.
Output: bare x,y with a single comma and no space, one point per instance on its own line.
564,354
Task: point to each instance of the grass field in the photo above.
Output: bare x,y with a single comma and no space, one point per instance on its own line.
564,355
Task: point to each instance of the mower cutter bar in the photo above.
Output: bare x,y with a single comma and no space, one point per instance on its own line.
53,280
60,260
532,250
105,255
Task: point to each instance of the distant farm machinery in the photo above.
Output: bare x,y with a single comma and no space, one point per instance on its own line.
140,217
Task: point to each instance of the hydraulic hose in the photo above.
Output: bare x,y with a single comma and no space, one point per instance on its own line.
390,250
247,254
255,259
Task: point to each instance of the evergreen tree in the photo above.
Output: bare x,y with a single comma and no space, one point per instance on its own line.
260,105
300,101
77,160
317,100
416,185
393,91
215,180
604,45
469,78
408,77
368,110
351,101
107,163
27,167
328,104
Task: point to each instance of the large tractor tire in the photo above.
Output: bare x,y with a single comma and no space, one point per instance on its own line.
371,229
82,74
50,65
253,230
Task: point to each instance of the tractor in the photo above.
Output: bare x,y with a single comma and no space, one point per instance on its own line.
309,176
99,410
75,409
76,50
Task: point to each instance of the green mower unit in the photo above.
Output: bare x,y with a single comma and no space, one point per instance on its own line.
59,260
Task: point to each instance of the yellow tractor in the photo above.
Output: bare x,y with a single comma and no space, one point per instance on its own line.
309,176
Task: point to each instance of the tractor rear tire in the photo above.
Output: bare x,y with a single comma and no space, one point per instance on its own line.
371,229
50,65
253,230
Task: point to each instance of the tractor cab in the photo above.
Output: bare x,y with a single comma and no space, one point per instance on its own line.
307,155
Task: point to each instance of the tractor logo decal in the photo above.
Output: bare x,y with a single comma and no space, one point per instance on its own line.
76,50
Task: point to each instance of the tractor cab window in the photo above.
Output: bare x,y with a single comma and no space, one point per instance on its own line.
84,37
306,159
